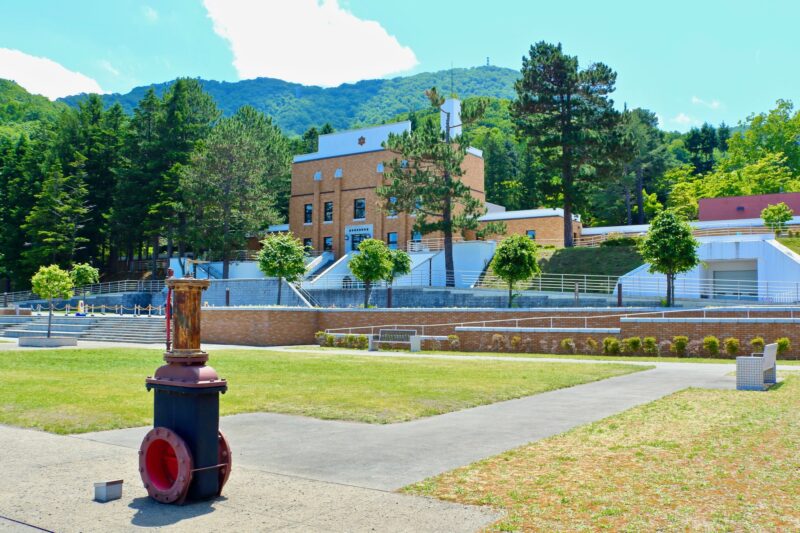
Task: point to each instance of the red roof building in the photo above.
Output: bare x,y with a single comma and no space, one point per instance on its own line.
738,207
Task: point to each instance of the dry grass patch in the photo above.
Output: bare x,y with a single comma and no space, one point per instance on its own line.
698,460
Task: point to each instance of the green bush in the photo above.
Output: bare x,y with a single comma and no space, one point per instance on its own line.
455,342
362,342
711,345
731,346
757,343
568,345
341,341
620,241
611,346
350,340
679,345
631,345
592,345
783,345
650,346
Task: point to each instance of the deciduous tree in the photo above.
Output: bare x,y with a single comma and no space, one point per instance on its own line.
669,248
371,264
515,261
777,216
401,265
282,256
51,282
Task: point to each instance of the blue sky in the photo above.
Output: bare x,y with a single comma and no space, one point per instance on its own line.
689,61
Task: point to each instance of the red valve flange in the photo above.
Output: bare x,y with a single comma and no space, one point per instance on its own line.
165,465
224,461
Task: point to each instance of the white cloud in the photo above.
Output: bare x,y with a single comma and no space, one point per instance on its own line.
685,120
150,14
108,67
306,41
43,76
713,104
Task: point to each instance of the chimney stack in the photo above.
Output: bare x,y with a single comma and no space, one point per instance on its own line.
452,109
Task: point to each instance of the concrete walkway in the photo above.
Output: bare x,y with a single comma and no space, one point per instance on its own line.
388,457
295,473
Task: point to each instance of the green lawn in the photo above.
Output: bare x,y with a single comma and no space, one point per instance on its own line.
79,390
698,460
792,243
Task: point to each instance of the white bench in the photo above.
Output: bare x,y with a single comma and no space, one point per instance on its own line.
758,371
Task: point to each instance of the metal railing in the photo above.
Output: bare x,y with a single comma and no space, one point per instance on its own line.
109,287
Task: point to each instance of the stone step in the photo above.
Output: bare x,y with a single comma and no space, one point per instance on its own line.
17,333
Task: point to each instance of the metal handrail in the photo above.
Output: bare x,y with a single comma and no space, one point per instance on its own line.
108,287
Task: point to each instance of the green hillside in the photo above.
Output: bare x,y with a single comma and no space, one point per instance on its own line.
600,261
297,107
21,111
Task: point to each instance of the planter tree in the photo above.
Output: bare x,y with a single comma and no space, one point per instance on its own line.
424,178
282,256
670,248
83,274
372,263
401,265
777,216
49,283
515,261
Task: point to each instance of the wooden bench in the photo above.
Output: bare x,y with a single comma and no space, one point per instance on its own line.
396,336
758,371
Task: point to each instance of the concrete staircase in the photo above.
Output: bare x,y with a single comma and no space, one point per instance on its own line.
109,328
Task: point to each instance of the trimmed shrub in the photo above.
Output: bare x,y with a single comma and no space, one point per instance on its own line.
455,342
516,343
711,345
680,344
350,340
631,345
620,241
321,337
341,342
694,348
591,345
757,343
499,343
731,346
567,345
783,345
611,346
650,346
362,342
330,340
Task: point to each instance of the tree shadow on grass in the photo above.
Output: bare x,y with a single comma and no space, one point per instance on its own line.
150,513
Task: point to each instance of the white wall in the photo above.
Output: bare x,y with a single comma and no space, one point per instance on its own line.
778,269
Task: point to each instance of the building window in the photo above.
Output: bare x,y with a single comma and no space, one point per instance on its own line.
308,214
379,168
308,244
531,234
392,211
318,175
416,236
328,215
327,244
391,240
337,173
359,209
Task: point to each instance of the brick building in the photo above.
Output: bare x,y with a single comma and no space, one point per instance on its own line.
334,203
545,226
742,207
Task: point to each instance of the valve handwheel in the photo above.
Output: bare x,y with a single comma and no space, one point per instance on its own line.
165,465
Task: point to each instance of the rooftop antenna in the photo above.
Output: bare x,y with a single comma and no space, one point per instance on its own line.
452,94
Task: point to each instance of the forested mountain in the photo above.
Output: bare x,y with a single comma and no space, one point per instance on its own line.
21,111
296,108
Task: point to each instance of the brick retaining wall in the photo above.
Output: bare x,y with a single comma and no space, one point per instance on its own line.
286,326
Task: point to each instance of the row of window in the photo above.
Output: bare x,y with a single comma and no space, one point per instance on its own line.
338,173
327,242
359,211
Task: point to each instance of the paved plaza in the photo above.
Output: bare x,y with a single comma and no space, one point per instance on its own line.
304,474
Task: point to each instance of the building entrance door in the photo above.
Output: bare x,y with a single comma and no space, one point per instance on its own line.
356,239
